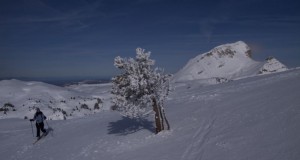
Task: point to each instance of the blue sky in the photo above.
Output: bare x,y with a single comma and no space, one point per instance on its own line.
80,38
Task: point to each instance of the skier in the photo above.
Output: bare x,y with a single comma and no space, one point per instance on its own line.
39,118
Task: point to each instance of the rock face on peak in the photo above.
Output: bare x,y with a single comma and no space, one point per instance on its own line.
227,61
231,50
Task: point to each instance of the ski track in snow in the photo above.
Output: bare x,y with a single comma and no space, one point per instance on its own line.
195,150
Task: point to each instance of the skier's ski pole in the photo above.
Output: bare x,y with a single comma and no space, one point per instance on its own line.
31,128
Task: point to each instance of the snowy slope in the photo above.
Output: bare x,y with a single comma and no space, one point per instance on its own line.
228,61
253,118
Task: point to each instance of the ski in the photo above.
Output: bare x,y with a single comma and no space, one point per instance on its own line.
43,135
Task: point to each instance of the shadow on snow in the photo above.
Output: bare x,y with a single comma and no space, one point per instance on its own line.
127,126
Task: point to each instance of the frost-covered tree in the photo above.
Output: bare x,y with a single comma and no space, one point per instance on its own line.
140,88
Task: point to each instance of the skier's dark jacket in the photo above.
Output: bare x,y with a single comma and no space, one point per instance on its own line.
39,117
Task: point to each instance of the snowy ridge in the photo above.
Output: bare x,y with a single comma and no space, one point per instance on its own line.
241,120
20,99
228,61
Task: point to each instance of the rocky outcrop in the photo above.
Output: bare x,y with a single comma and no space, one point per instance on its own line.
272,65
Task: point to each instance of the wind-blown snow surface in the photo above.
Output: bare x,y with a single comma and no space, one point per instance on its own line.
254,118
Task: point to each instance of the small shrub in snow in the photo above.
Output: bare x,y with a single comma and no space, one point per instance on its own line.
96,106
9,105
6,107
84,106
63,112
99,100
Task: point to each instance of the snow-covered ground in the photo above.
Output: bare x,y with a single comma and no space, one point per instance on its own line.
255,118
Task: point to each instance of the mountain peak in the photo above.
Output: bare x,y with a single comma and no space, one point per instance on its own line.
227,61
224,61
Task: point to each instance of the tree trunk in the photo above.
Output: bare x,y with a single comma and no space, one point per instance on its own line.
161,118
158,117
165,118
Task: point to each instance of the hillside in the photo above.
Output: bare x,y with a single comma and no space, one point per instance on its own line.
252,118
57,102
226,62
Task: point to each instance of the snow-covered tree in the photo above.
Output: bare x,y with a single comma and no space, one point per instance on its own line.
140,88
